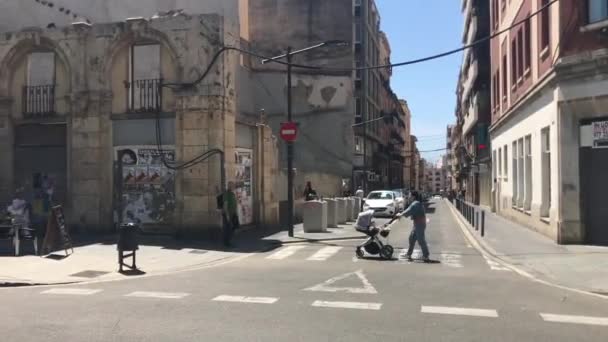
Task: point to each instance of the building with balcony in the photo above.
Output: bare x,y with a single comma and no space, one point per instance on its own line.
474,105
549,116
85,124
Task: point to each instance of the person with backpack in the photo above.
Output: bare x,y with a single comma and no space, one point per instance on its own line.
417,213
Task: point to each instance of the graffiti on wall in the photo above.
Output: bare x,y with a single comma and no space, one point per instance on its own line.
148,186
243,185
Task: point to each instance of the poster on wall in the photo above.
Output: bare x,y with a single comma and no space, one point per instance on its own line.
600,134
243,185
148,186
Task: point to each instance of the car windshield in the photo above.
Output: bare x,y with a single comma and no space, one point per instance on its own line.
398,193
380,195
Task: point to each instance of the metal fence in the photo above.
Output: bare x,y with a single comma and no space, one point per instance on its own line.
38,101
145,96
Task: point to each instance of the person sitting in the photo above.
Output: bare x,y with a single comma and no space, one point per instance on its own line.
309,193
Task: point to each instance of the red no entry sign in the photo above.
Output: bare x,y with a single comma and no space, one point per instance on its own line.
289,131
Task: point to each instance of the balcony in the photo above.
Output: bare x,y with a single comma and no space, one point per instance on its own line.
38,101
145,96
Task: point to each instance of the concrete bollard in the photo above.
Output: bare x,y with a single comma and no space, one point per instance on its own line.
349,209
332,212
357,207
315,217
341,204
353,209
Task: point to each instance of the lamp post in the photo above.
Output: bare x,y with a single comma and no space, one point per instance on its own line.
288,55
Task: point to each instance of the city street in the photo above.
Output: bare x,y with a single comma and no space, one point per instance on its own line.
316,292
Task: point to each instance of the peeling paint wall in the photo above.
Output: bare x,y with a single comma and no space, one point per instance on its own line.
323,106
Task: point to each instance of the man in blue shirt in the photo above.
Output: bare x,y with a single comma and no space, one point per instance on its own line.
417,213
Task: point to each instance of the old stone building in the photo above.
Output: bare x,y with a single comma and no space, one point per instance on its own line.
74,99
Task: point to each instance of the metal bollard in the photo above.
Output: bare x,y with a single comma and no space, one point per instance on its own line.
483,223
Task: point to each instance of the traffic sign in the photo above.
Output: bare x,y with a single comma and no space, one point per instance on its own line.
289,131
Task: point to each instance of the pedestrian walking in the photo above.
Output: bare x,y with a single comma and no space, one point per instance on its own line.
309,193
230,215
418,215
360,193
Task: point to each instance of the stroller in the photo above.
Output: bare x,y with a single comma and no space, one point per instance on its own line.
374,245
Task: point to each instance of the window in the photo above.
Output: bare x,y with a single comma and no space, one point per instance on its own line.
358,107
513,63
41,69
520,53
515,178
598,10
39,91
494,173
546,172
358,144
506,166
498,89
495,14
527,45
358,32
500,163
520,173
504,78
528,172
545,26
145,78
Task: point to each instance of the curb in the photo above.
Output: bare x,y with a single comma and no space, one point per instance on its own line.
491,253
304,240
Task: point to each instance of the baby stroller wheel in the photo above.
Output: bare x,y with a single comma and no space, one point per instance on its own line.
359,252
387,252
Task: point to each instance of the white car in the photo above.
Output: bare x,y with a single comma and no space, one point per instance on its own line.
383,203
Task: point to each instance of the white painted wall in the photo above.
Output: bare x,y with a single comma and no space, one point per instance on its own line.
530,120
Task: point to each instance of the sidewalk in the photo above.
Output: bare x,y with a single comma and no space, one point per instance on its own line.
95,258
576,266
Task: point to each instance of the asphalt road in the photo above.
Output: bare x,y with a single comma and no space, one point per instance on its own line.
315,292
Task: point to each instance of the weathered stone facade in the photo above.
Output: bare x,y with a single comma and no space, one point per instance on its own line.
94,68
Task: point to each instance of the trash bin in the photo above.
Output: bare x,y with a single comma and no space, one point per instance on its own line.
127,237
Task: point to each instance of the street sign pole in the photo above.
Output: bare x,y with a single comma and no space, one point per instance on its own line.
290,204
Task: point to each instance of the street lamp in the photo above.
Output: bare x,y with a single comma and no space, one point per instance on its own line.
289,54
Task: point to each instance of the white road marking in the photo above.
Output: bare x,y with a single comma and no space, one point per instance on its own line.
163,295
71,291
574,319
347,305
284,252
243,299
450,259
494,266
324,253
459,311
326,286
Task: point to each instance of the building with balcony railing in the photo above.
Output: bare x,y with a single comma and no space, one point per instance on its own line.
97,118
474,107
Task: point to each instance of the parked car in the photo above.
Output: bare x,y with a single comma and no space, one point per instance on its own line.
400,200
382,202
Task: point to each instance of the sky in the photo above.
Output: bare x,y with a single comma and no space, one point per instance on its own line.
419,28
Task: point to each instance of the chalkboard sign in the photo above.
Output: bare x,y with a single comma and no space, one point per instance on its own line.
57,235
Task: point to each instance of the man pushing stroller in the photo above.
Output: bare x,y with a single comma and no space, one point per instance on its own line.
417,213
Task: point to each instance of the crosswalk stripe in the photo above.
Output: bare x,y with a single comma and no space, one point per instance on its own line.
347,305
71,291
451,260
284,252
243,299
163,295
324,253
494,266
444,310
574,319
